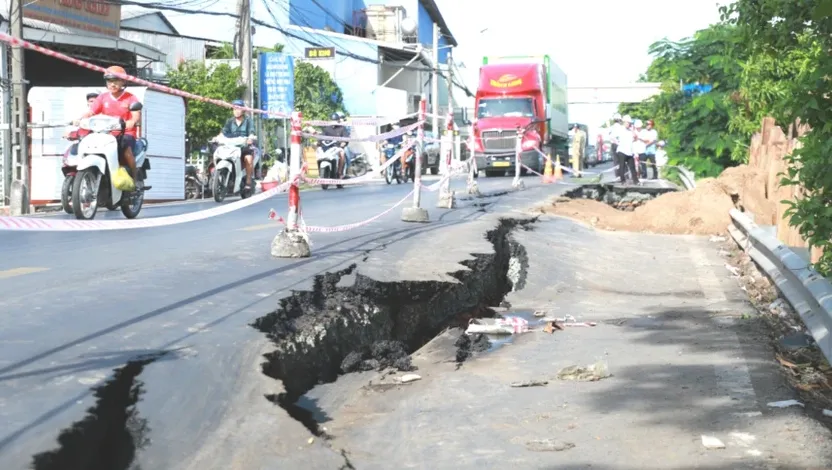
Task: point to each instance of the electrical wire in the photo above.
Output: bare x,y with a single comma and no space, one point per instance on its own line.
277,27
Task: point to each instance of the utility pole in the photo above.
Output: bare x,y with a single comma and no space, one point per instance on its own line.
244,28
19,193
435,81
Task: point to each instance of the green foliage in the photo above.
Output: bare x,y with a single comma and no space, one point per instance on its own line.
314,89
205,120
792,68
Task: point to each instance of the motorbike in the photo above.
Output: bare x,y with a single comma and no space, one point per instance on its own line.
328,156
392,172
194,185
229,174
68,168
409,165
96,163
359,166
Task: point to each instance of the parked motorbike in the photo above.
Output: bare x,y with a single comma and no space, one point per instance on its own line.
359,166
409,165
229,175
96,163
392,172
328,155
194,184
69,169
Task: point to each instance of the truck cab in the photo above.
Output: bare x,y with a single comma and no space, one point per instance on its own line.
514,106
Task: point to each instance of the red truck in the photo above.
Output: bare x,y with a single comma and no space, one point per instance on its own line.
525,93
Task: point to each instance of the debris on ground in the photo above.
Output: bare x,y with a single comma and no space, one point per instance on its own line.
498,326
529,383
549,445
703,211
802,362
590,373
783,404
379,356
711,442
551,327
407,378
539,313
557,324
467,345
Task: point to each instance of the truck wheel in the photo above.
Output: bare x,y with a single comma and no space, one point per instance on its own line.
434,171
492,173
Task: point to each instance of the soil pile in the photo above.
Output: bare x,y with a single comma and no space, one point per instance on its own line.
703,211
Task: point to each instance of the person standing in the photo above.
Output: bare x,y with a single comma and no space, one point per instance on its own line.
615,129
639,148
577,150
650,137
624,154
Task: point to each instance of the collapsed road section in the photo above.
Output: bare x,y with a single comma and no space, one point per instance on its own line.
316,331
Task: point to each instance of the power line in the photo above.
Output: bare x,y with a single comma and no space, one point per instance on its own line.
277,27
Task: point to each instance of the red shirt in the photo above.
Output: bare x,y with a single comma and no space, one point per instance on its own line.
119,107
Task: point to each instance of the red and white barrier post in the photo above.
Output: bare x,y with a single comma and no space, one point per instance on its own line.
446,150
291,242
416,213
518,164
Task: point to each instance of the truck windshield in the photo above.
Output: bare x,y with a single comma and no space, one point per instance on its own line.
505,107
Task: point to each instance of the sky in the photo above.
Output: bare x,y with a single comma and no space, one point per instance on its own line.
596,42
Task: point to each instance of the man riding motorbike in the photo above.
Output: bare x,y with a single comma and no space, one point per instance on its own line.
336,130
116,103
241,126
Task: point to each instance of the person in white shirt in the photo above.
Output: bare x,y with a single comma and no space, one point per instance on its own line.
626,137
661,155
650,137
614,129
639,148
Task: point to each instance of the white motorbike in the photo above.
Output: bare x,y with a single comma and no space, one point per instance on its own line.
97,160
328,162
229,174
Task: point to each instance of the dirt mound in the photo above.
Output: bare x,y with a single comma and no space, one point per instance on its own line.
703,211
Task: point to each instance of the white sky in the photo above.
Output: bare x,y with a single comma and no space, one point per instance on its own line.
595,42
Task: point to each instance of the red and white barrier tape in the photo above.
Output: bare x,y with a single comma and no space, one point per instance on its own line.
63,225
372,138
164,89
361,179
352,122
340,228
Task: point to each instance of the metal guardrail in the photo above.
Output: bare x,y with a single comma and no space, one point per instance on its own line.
808,292
687,177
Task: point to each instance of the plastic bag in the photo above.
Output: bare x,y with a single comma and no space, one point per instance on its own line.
123,181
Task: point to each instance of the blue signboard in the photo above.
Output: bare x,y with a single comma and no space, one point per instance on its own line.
277,83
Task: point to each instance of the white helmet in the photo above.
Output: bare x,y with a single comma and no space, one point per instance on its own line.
616,117
661,143
627,118
638,124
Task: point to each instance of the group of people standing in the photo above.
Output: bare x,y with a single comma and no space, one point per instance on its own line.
635,148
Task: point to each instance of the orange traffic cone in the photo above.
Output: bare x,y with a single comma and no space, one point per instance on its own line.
548,176
558,171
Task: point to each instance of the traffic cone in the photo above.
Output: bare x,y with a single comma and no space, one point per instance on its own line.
548,176
558,171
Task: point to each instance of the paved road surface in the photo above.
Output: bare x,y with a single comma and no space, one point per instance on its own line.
78,305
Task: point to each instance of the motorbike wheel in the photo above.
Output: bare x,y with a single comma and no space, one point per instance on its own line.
358,169
131,203
66,194
326,173
219,188
246,193
84,184
388,174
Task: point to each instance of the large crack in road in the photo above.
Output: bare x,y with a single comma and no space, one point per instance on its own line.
314,331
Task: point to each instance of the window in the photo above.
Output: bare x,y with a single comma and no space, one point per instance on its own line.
505,107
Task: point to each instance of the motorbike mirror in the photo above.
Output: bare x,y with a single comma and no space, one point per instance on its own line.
136,106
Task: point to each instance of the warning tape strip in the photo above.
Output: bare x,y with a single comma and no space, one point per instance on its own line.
171,91
352,122
372,138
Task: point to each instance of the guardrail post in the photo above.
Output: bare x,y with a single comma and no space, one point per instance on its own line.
446,196
416,213
518,149
291,242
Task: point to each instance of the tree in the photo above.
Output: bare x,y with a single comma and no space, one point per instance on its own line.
791,42
316,94
205,120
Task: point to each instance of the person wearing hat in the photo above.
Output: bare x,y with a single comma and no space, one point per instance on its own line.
649,136
624,155
661,155
639,148
116,103
577,149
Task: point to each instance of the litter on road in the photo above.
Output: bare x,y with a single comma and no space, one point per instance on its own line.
529,383
407,378
498,326
590,373
549,445
711,442
784,404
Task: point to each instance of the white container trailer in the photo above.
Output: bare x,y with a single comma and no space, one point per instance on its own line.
163,125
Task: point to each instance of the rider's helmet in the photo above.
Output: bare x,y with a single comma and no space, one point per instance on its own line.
661,143
238,103
112,72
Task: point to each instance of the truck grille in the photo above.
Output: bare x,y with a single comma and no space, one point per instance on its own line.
499,140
